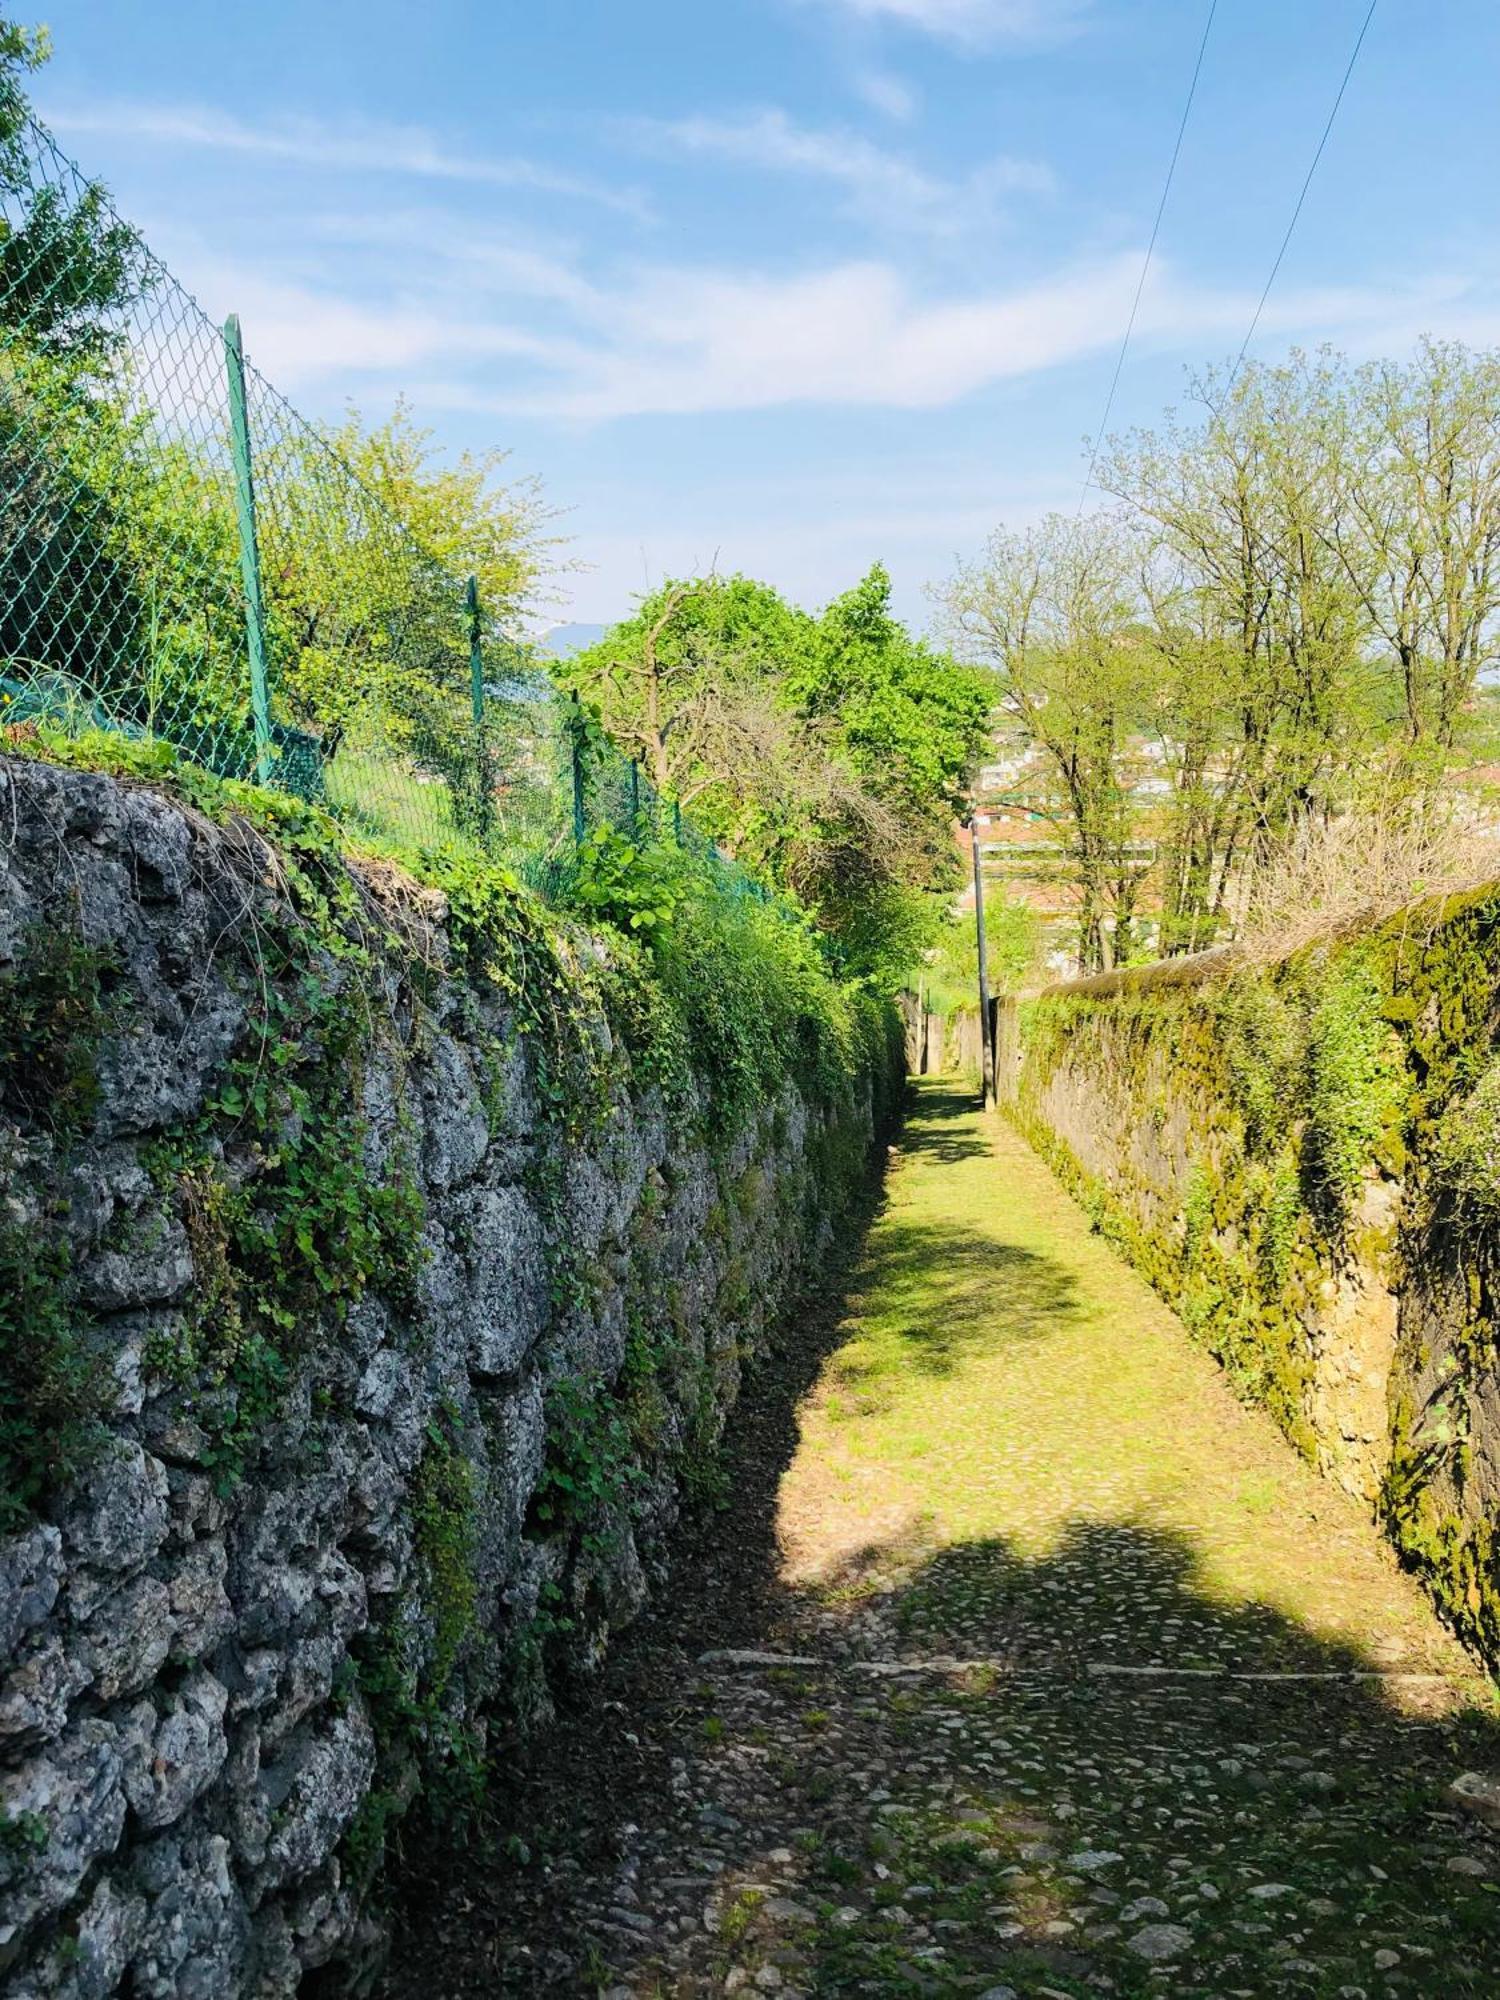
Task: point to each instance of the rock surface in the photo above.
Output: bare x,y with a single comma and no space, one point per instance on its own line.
204,1641
987,1683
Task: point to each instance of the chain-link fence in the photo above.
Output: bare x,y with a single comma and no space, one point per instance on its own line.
185,558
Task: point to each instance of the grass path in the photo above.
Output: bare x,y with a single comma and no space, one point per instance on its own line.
1069,1677
1006,1380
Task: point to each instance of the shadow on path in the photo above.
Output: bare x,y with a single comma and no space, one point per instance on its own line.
1070,1771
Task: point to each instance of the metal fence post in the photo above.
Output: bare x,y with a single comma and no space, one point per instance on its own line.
580,820
677,821
635,798
482,776
244,502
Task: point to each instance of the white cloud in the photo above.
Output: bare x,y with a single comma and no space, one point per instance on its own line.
683,342
669,340
307,339
975,22
854,334
878,184
448,254
490,326
360,148
886,94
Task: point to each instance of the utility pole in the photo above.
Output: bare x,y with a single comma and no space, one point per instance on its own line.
986,1053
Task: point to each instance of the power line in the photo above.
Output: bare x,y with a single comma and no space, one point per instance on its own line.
1359,42
1161,209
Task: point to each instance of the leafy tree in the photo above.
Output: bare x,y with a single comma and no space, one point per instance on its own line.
910,718
827,752
462,512
949,967
1292,607
68,265
1418,531
69,270
688,687
1054,611
363,574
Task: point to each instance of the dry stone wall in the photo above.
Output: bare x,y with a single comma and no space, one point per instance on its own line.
366,1318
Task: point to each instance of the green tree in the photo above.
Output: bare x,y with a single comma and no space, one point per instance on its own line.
912,719
68,265
826,752
1417,528
1240,502
1055,612
367,537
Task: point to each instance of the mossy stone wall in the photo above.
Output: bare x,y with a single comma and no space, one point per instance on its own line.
1304,1160
379,1271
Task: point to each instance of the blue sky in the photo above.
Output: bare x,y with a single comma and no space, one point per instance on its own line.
787,285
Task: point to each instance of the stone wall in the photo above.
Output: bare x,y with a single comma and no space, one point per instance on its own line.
1304,1159
369,1305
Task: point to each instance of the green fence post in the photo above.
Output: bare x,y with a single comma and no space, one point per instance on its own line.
580,823
635,798
483,784
244,502
677,822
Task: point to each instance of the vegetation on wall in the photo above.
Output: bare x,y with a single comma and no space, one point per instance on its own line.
51,1019
1274,1098
292,1212
830,754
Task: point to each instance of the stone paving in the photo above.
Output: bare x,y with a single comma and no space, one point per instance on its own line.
1074,1679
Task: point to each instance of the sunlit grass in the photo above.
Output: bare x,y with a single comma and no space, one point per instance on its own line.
1005,1378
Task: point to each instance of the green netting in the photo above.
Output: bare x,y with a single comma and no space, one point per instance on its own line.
124,534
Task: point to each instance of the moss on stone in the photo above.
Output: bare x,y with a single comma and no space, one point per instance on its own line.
1291,1091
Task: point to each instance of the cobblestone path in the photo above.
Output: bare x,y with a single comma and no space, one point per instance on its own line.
1030,1663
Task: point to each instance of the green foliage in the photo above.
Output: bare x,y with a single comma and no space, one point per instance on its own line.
51,1380
23,1835
759,1007
446,1539
590,1458
1356,1085
828,754
66,263
911,717
949,966
1466,1145
638,887
1264,1042
52,1011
